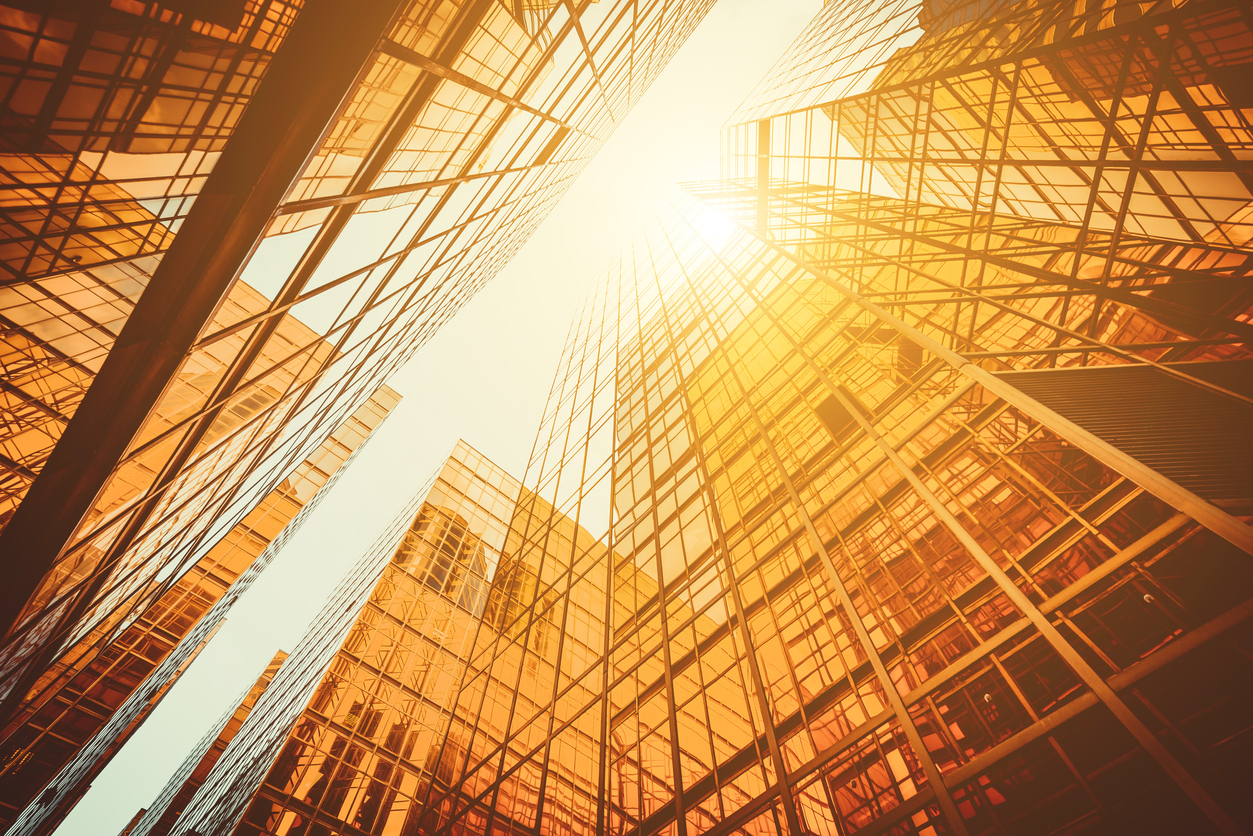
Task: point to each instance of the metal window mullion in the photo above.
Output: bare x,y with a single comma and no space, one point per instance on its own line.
901,712
1209,515
603,782
596,388
728,562
1234,327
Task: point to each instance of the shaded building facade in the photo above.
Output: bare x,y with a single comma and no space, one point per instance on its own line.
328,235
100,670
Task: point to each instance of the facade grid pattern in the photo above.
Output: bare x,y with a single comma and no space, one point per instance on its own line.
144,415
75,697
910,458
895,483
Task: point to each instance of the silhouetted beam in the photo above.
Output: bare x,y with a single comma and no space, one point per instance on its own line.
316,68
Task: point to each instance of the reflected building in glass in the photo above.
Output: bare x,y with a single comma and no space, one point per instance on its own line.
207,269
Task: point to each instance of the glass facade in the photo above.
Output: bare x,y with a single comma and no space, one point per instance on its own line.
158,819
893,527
76,696
329,236
1109,116
896,483
42,815
353,723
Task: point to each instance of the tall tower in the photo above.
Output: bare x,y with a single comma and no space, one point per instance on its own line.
160,818
941,421
353,730
228,222
897,482
72,705
943,494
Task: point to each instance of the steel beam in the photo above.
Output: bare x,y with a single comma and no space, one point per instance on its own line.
311,77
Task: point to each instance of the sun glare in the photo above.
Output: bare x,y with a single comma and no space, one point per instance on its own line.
715,228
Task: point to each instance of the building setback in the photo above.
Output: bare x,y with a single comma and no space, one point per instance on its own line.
208,269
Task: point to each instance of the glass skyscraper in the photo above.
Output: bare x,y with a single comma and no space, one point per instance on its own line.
210,267
224,224
75,698
158,819
897,482
354,722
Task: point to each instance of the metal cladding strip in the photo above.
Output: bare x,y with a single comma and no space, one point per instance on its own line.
279,132
1169,491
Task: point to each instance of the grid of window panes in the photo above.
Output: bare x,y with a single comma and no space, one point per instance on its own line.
173,630
116,113
360,736
75,697
868,575
1114,116
159,817
467,126
857,510
243,763
90,758
855,589
533,686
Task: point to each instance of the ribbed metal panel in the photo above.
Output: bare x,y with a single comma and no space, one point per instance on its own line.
1195,436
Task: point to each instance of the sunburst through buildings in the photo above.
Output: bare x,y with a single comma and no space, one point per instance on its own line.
897,481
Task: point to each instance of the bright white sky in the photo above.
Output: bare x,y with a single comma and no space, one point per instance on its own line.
484,377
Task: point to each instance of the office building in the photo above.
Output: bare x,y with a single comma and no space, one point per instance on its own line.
59,796
158,819
961,482
76,696
209,268
355,721
870,497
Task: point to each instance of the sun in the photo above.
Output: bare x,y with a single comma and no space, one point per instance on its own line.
714,228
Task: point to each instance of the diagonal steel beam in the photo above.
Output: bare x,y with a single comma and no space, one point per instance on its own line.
311,77
232,378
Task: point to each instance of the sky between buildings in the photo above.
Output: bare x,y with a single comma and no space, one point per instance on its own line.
484,377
